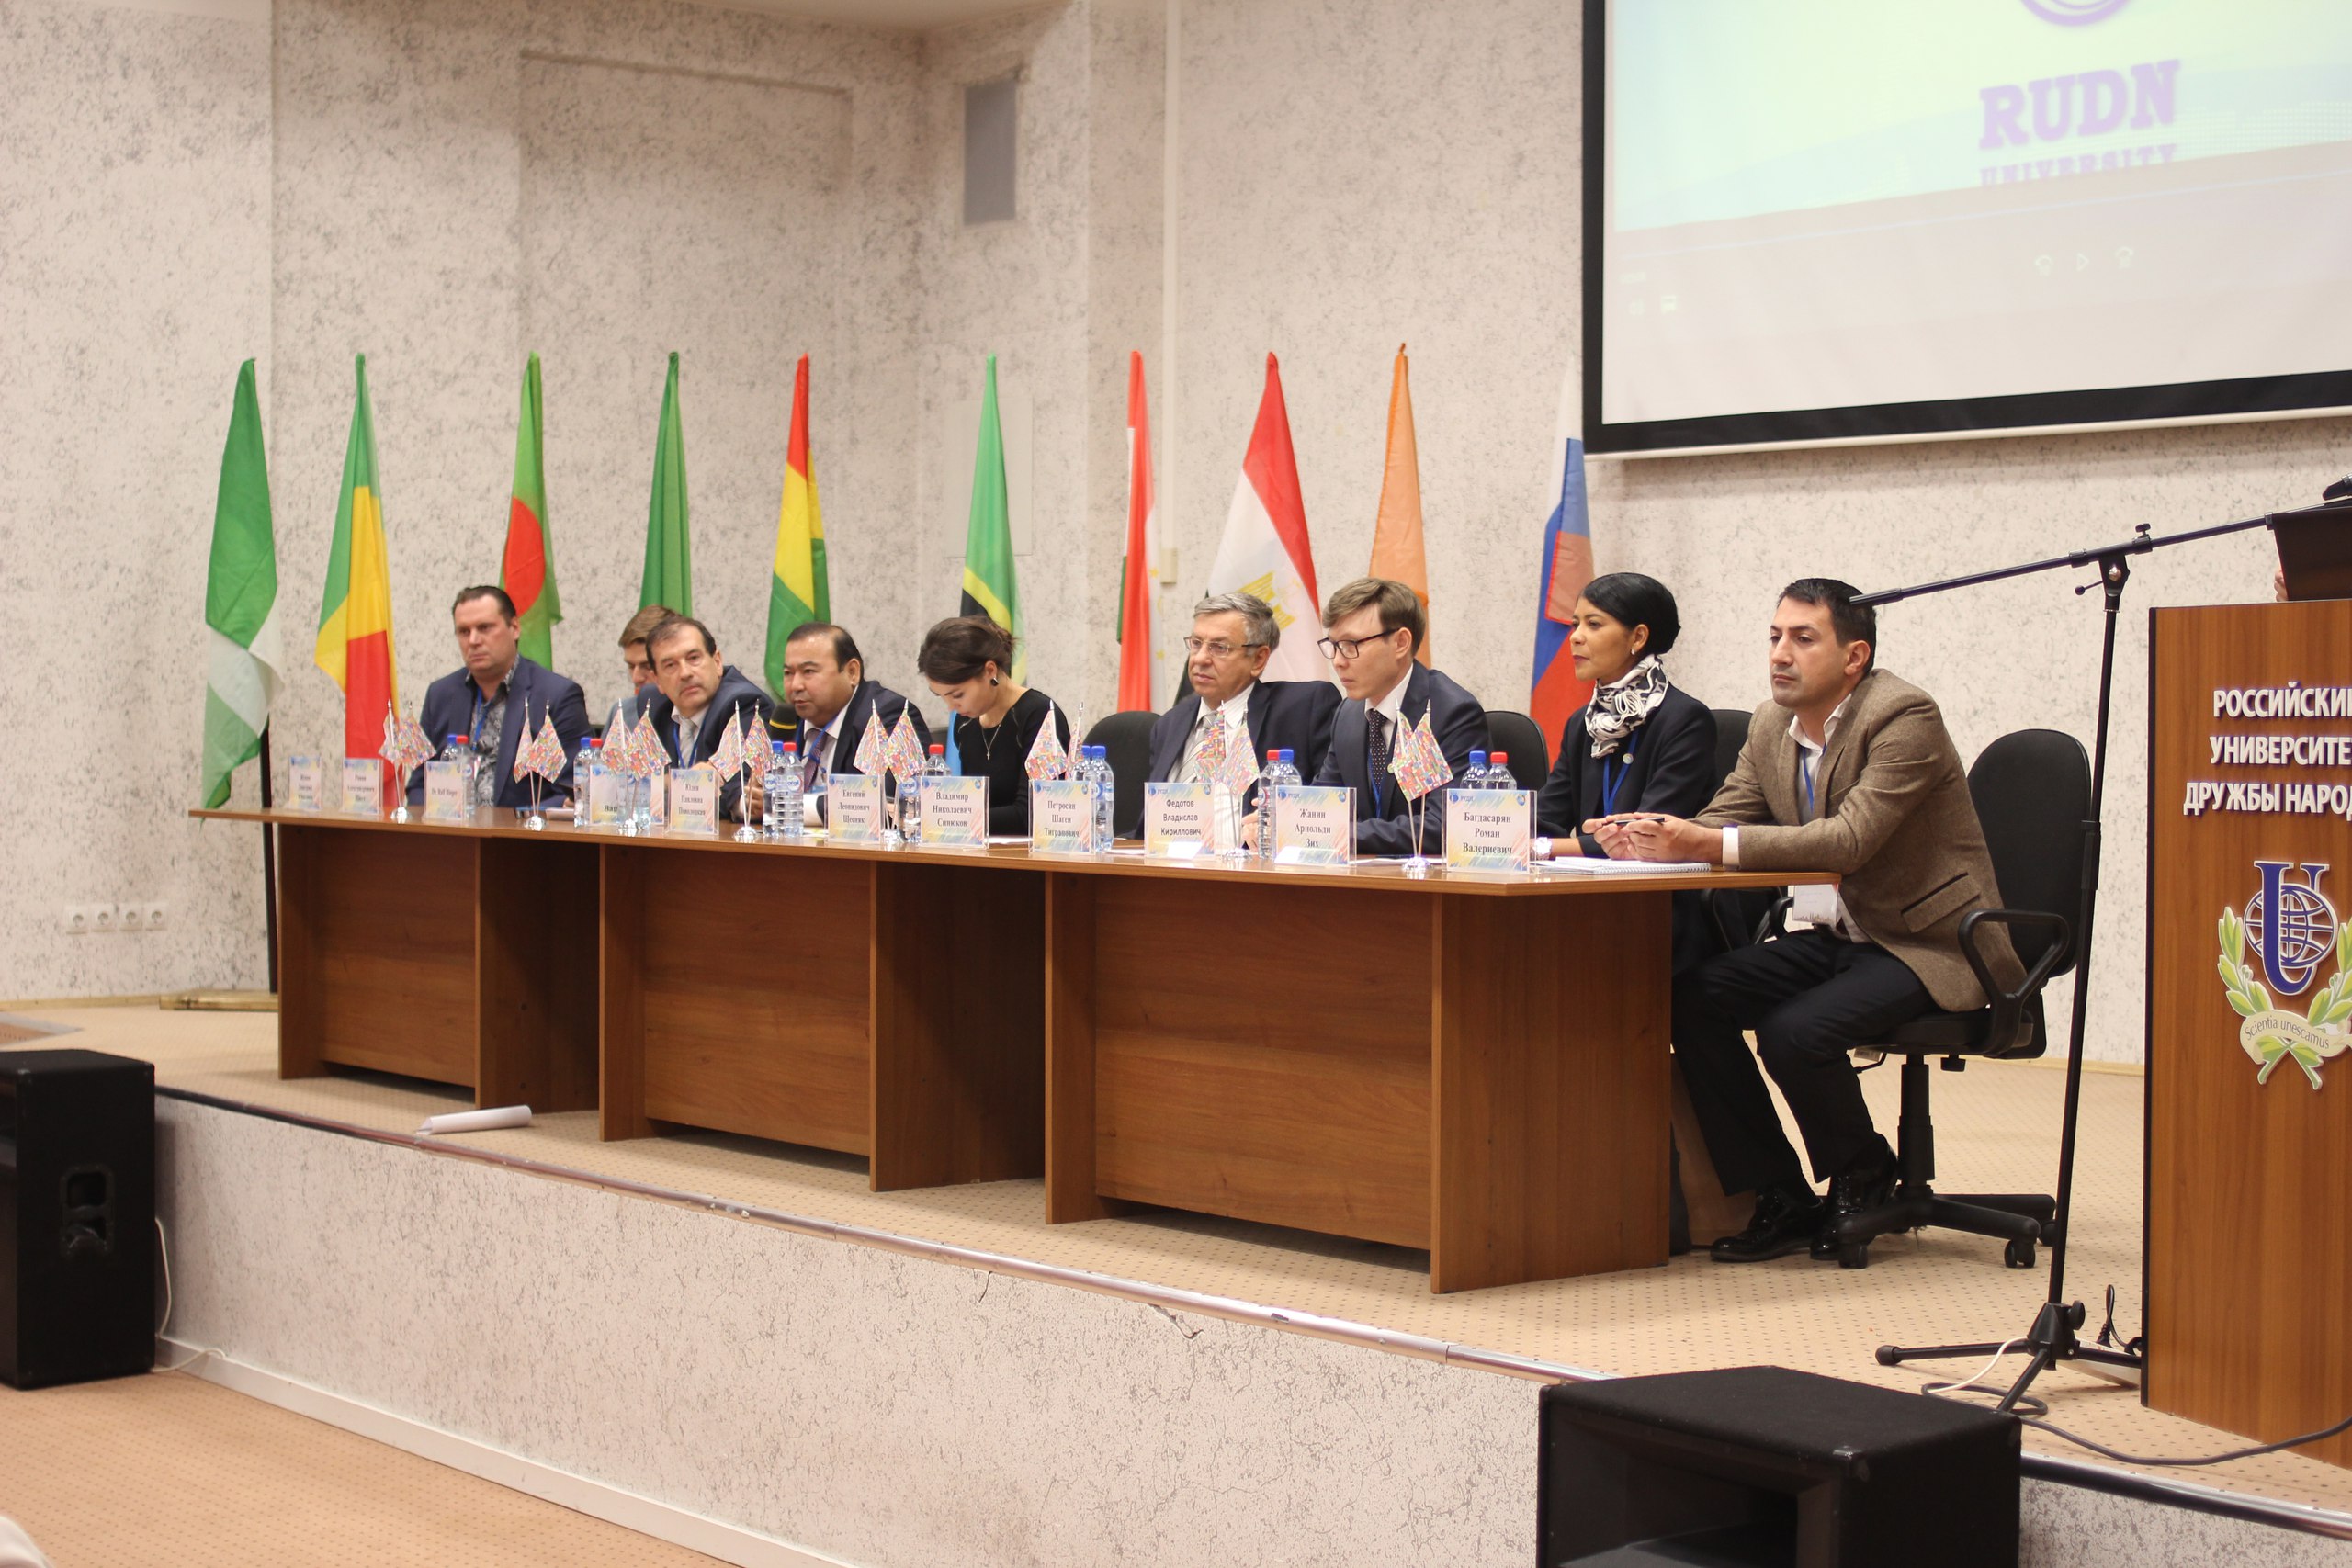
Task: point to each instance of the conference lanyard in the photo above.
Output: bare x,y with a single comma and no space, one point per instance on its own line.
1609,789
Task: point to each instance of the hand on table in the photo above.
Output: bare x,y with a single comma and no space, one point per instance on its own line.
1641,835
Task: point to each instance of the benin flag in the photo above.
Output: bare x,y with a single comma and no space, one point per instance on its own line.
1398,552
239,601
669,554
356,612
1139,658
527,569
797,592
987,541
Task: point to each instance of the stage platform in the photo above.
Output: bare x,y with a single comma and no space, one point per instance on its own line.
1479,1351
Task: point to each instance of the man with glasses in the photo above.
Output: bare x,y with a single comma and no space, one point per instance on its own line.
1233,636
1371,628
498,700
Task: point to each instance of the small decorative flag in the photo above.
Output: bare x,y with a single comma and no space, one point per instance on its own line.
405,746
390,748
547,751
1420,763
729,758
1046,759
526,751
906,749
873,750
419,744
645,749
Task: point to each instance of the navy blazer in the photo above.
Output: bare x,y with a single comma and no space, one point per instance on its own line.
871,701
1666,765
533,691
736,693
1382,828
1293,714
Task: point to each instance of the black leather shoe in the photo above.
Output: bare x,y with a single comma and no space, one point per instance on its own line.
1855,1193
1784,1223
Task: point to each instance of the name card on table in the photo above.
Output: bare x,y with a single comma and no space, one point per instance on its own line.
306,784
606,787
694,800
853,808
445,792
363,785
1489,830
956,812
1061,817
1179,820
1314,825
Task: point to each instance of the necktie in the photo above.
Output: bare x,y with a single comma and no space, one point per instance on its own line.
1208,758
688,729
1378,723
813,764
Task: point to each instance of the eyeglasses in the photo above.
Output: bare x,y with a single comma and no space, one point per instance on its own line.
1348,647
1219,649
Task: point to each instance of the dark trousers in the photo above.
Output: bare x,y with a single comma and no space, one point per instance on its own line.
1811,997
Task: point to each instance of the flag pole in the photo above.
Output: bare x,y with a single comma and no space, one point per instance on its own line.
268,866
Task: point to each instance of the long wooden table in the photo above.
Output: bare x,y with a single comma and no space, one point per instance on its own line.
1471,1064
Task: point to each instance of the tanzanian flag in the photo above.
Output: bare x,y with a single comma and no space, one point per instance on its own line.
987,541
668,553
798,591
356,612
528,568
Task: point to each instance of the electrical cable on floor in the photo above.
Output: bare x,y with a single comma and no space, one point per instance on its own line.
2121,1458
163,1246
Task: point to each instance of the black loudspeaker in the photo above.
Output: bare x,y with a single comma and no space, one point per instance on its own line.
77,1217
1748,1466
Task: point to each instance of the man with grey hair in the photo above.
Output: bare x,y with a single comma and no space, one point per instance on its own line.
1233,636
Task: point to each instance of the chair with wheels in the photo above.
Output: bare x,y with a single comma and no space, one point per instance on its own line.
1525,754
2033,790
1125,738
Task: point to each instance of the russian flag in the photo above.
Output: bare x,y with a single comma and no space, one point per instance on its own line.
1555,693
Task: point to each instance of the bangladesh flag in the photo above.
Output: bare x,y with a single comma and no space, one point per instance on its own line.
987,541
669,555
798,591
239,601
526,571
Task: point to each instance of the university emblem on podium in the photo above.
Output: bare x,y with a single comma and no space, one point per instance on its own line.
2277,945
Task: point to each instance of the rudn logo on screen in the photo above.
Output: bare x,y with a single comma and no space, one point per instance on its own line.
2291,931
2033,123
2075,13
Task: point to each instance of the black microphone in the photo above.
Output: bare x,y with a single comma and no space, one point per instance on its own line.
2340,490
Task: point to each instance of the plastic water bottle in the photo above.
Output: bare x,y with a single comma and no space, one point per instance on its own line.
1475,775
1279,773
1498,773
458,749
780,792
583,774
1106,797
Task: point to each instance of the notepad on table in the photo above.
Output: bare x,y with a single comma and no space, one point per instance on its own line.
1580,865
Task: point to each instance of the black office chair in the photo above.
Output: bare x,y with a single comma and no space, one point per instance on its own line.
2033,790
1743,917
1525,754
1127,738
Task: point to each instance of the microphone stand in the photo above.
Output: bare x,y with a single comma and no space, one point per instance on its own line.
2052,1337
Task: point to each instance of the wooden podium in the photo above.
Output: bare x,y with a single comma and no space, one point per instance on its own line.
2249,1181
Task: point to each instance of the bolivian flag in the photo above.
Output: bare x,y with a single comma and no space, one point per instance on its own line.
798,591
355,614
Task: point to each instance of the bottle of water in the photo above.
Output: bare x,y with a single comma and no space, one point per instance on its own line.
780,792
583,774
1279,773
1475,775
458,749
1499,775
1106,797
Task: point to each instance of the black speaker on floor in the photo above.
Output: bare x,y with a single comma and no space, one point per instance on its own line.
1748,1466
77,1217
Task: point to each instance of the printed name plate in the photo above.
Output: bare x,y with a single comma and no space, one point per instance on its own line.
605,787
306,784
694,800
853,808
1178,819
1061,817
445,792
1314,825
956,812
363,785
1489,830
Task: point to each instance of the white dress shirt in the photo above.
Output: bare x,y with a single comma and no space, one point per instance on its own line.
1816,904
1235,709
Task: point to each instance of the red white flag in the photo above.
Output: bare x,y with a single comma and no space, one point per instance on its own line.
1265,550
1139,658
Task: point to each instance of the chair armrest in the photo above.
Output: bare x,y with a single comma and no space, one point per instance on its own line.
1723,915
2008,1007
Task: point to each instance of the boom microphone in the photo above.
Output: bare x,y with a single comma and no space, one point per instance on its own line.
2340,490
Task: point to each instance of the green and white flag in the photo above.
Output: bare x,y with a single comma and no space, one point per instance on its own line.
239,601
988,538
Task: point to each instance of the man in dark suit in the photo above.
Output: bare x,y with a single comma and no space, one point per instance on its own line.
699,692
1371,628
833,705
1233,636
1848,769
498,701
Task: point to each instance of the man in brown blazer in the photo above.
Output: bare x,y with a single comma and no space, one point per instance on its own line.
1846,770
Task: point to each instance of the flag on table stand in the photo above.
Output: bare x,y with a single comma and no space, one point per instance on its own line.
987,541
527,569
1139,657
798,591
1265,550
239,601
668,552
1397,551
1554,693
355,643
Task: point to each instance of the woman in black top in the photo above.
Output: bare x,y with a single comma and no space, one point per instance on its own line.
968,661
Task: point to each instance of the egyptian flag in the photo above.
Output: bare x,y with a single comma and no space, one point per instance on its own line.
1554,693
355,642
1265,550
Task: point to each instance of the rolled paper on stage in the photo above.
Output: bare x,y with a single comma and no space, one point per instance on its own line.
479,1121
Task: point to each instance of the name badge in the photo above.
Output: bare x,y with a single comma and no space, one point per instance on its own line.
1061,817
306,784
1179,820
694,800
853,808
445,792
956,812
363,785
1314,825
1489,830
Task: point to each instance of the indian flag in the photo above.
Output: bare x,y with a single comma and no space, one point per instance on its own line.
1265,550
527,569
355,642
797,590
239,601
988,539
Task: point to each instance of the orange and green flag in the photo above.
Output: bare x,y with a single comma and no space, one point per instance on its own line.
798,591
526,571
355,642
